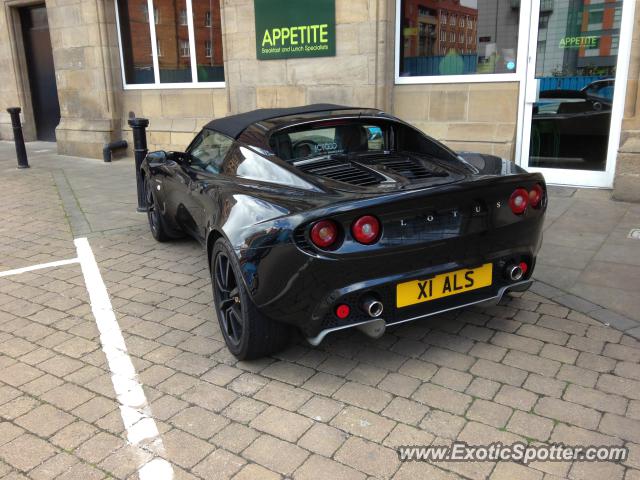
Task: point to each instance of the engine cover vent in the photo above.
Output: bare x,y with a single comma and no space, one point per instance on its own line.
341,171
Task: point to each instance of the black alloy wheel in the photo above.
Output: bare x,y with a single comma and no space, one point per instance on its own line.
154,216
229,300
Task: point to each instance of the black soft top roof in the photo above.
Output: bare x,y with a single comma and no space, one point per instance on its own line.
234,125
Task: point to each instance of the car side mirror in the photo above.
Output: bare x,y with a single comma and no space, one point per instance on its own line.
158,157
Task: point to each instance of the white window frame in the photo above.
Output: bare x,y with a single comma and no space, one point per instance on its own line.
154,52
517,76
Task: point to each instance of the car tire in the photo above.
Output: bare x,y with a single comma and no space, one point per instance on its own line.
154,215
247,333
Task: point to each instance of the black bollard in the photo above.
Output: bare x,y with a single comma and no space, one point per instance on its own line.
18,138
138,125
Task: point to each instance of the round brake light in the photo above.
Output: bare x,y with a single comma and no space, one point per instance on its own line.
324,233
366,229
535,195
519,200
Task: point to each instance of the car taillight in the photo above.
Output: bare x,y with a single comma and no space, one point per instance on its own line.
366,229
324,233
519,200
535,195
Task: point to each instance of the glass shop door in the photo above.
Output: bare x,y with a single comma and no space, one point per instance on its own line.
574,89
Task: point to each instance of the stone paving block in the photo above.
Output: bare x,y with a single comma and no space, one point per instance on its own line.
199,422
363,396
363,423
418,369
512,470
17,407
488,351
543,334
532,363
588,471
67,396
580,376
26,452
626,369
18,374
561,354
562,324
531,426
209,396
452,379
219,464
516,398
322,439
252,471
368,457
568,412
53,467
406,411
499,372
407,435
380,358
488,412
276,454
399,384
235,437
44,420
622,427
482,388
321,468
619,386
124,462
367,374
595,399
475,433
622,352
443,424
448,358
247,384
283,395
185,449
544,385
9,431
505,325
415,470
585,344
288,373
321,409
323,384
281,423
442,398
606,334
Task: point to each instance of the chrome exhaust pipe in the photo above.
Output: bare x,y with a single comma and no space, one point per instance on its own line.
372,306
514,272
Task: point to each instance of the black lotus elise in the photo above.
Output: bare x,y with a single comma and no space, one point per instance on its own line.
327,217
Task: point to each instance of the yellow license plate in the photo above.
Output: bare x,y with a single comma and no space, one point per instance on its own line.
443,285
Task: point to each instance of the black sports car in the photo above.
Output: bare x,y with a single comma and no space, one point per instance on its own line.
327,217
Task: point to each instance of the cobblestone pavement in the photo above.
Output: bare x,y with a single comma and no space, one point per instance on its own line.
527,370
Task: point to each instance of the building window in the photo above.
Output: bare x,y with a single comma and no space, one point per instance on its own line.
459,53
172,63
184,48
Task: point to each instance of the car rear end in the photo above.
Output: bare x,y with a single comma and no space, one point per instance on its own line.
406,255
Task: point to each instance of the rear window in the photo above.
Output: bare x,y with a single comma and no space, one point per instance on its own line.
330,138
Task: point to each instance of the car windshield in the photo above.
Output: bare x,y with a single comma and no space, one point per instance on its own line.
330,137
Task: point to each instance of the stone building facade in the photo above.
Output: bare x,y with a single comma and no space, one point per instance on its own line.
94,105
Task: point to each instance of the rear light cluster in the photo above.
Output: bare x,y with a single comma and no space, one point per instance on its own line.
521,199
325,234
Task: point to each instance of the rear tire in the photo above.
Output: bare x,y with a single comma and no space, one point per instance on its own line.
156,221
247,333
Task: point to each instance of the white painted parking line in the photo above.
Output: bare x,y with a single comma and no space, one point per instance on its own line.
142,431
58,263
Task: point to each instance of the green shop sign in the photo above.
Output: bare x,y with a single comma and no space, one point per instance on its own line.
295,28
591,41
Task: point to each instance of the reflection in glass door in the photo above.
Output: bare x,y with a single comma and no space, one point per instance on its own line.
570,90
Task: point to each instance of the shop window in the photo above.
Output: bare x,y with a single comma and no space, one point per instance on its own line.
188,43
486,43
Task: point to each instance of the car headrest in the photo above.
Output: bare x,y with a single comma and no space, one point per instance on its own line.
283,146
352,138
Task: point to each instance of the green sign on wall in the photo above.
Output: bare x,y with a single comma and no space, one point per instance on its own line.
295,28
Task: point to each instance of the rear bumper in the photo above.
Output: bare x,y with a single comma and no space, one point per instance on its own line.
516,287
